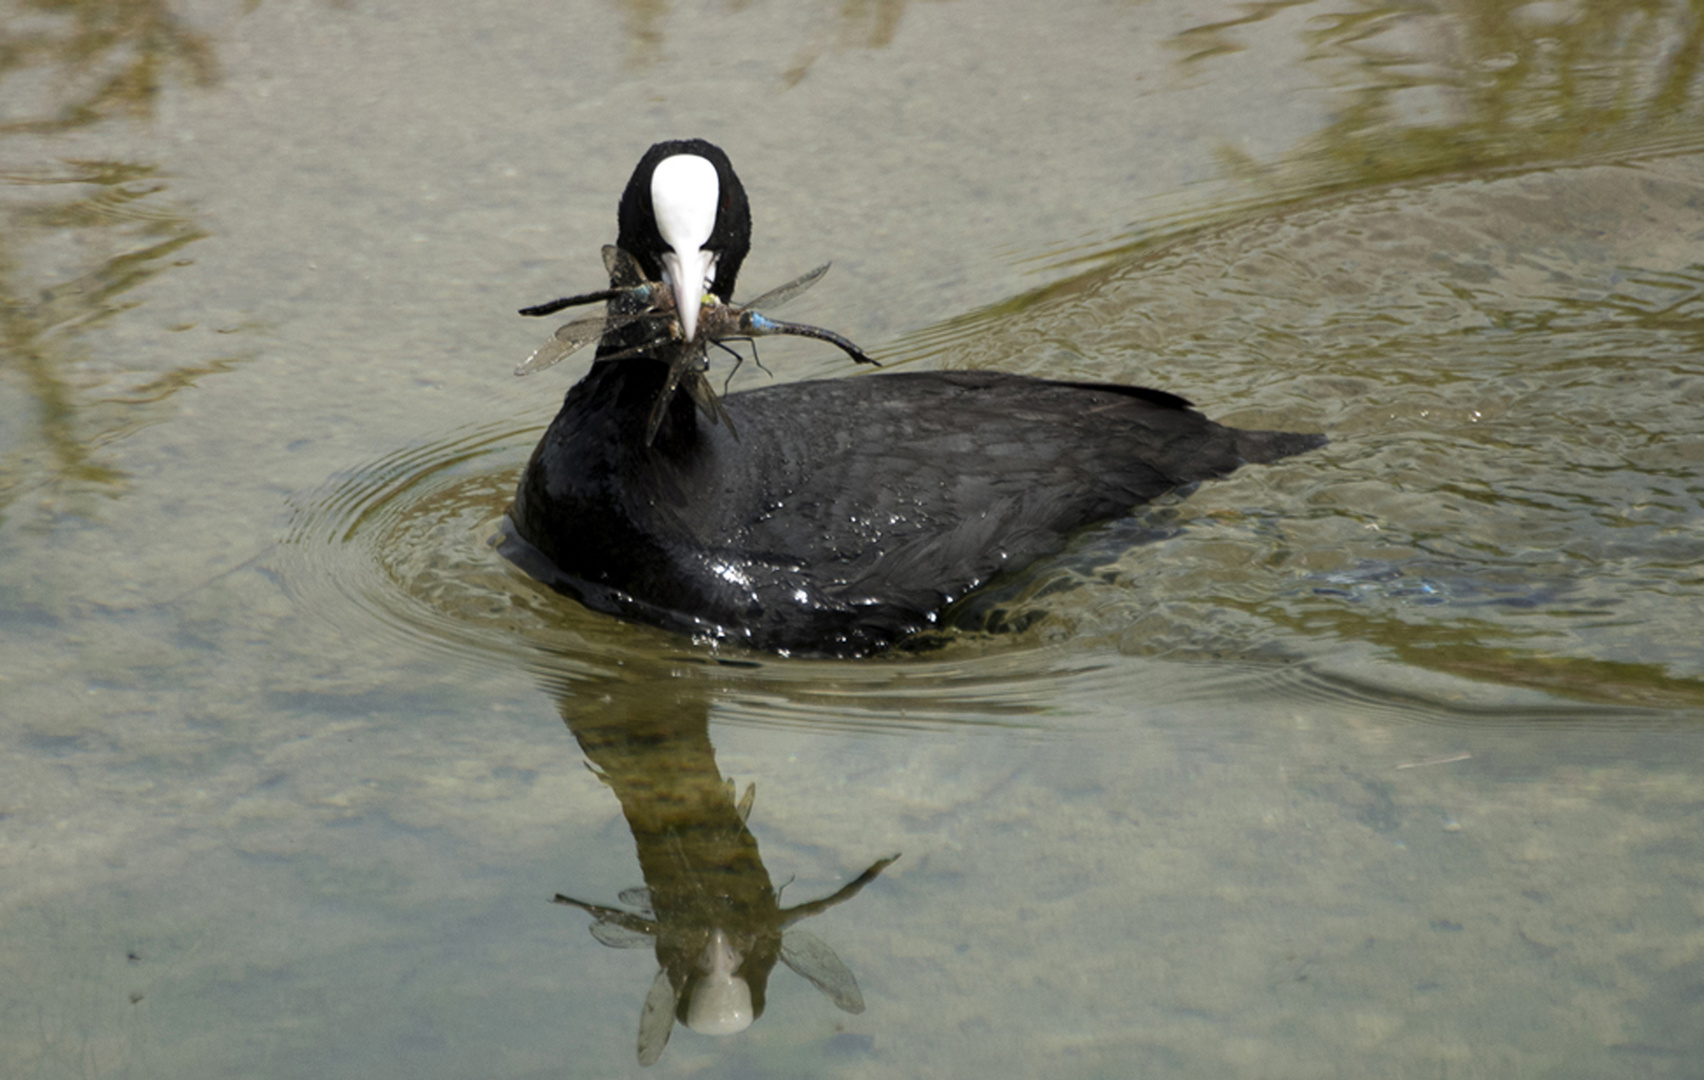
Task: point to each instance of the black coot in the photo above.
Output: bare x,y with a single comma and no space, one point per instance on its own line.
848,512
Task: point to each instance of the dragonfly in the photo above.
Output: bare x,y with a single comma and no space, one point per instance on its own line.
637,298
634,299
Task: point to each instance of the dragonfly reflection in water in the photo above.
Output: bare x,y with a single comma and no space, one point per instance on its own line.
717,953
636,301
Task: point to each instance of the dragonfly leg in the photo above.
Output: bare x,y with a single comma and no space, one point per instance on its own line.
738,359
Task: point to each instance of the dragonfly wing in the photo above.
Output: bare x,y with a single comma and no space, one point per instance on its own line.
658,410
689,357
571,337
657,1019
624,271
638,897
617,936
544,356
568,338
709,402
780,295
806,954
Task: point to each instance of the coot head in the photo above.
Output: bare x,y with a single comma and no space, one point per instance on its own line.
685,217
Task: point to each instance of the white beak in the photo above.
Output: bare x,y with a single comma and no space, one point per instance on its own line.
721,1002
684,190
689,275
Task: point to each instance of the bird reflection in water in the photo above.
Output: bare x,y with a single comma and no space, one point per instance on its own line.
708,906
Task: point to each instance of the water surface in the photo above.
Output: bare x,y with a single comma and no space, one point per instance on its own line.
1380,761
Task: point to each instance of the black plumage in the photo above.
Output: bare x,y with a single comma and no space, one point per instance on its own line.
848,512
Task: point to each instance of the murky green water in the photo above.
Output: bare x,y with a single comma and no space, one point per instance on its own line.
1384,761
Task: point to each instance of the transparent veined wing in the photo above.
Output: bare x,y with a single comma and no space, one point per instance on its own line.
637,897
569,338
617,936
656,1019
807,954
572,337
624,270
781,294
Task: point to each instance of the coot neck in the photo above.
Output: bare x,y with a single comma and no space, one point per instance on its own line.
618,395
